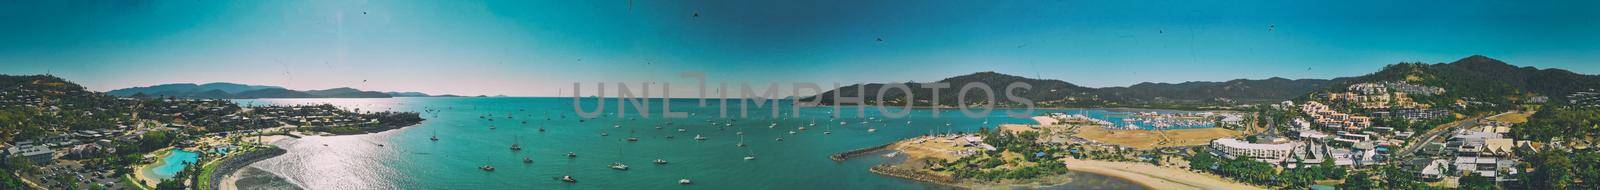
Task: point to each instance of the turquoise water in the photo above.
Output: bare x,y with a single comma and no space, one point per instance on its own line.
409,160
173,163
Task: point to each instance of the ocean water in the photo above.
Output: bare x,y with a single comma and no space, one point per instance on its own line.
407,158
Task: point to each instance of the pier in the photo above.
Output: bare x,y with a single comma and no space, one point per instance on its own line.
840,157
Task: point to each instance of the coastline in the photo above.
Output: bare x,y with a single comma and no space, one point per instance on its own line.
1154,177
225,168
227,179
917,149
227,174
1143,175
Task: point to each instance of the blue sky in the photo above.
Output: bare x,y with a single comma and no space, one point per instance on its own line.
536,47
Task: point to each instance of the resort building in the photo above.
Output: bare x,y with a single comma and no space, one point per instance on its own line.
1235,148
1484,153
1412,114
1327,117
31,152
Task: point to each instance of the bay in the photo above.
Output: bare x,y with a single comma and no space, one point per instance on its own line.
407,158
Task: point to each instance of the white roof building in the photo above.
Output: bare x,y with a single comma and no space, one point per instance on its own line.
1264,152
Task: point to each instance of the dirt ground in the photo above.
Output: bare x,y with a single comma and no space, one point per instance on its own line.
1149,139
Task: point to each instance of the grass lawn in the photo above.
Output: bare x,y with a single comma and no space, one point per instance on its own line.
205,175
1513,117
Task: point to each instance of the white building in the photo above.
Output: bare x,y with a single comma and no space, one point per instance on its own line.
1263,152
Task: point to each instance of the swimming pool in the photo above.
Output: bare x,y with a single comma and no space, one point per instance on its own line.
174,161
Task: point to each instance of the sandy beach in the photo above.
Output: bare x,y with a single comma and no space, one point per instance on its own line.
1154,177
142,172
257,178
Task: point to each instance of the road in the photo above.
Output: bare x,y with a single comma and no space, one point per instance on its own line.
1434,134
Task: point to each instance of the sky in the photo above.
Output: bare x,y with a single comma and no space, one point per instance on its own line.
540,48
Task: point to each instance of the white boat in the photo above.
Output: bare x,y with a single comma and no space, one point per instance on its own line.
685,181
517,146
698,137
659,161
568,179
750,157
872,130
486,167
683,130
619,166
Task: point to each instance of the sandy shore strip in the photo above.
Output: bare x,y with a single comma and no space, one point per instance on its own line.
230,181
142,172
1154,177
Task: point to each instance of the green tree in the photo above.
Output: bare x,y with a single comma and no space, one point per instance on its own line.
1358,181
167,184
1554,171
1475,182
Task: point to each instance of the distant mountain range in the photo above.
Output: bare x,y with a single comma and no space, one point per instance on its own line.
243,91
1477,76
1045,90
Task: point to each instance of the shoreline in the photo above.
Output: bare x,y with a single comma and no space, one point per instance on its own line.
228,179
900,170
1154,177
1143,175
227,167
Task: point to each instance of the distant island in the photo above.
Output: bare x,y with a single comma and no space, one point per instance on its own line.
221,90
